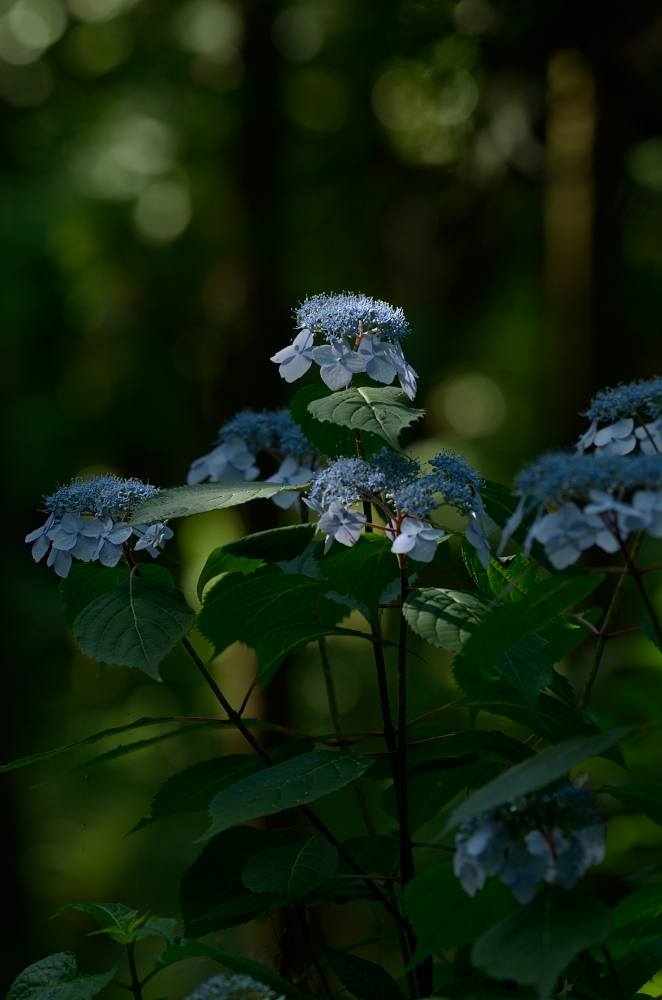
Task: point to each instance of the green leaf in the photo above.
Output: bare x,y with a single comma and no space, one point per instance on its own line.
511,577
528,776
215,877
491,746
650,633
243,609
426,797
376,855
365,980
535,944
500,502
508,624
460,919
182,501
563,636
362,571
57,978
385,411
183,949
636,921
645,799
329,439
121,750
636,969
110,916
195,786
245,555
293,783
134,625
528,667
291,871
445,618
86,582
274,646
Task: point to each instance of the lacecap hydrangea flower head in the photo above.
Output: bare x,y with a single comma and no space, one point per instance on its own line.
624,419
550,836
346,334
241,440
237,987
87,521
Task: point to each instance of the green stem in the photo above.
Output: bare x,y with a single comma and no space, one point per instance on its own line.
136,985
614,604
612,969
301,913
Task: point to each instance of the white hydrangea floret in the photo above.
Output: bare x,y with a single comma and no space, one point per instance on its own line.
290,474
417,539
230,462
340,524
152,537
295,359
338,362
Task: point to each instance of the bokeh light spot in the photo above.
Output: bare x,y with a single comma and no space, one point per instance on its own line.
298,32
317,99
94,49
473,405
644,163
162,212
209,27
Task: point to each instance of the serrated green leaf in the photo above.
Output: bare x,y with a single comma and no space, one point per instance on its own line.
134,625
243,609
329,439
245,555
508,624
362,571
445,618
183,501
563,636
385,411
529,775
274,646
293,783
195,786
215,877
365,980
57,978
645,799
650,633
110,916
291,871
122,750
183,949
435,751
460,919
511,577
535,944
528,667
86,582
636,921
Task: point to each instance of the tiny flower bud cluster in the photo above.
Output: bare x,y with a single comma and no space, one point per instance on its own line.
625,407
551,836
362,334
87,522
238,987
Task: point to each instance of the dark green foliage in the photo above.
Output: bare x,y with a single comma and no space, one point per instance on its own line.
646,799
537,942
57,978
528,667
250,553
500,502
362,572
383,411
291,871
134,625
365,980
445,618
123,924
331,440
636,921
275,645
195,786
428,794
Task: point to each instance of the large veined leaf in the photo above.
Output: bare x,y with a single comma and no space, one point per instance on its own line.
295,782
274,646
365,980
443,916
182,501
134,625
123,924
86,582
529,775
508,624
636,921
331,440
245,555
362,571
384,411
445,618
195,786
646,799
291,871
528,667
537,942
183,949
214,878
243,609
57,978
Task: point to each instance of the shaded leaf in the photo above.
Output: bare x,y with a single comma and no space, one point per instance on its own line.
329,439
646,799
110,916
86,582
363,571
636,969
291,871
182,501
508,624
426,797
445,618
245,555
121,750
274,646
383,411
636,921
238,908
57,978
294,782
650,633
528,776
376,855
183,948
460,919
528,667
436,751
195,786
365,980
134,625
535,944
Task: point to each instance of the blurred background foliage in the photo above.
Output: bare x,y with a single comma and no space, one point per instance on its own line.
175,177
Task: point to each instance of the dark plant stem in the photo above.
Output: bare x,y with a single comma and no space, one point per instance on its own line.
308,813
301,913
612,969
136,985
616,598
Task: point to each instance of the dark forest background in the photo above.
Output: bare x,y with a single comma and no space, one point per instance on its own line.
175,178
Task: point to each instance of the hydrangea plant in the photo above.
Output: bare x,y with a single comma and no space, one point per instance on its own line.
510,907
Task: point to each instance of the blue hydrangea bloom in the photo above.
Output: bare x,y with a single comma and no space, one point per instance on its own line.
642,398
237,987
558,477
549,836
269,430
100,496
348,314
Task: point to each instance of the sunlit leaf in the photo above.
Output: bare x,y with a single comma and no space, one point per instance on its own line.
182,501
383,411
245,555
331,440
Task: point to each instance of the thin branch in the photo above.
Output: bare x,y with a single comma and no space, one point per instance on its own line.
612,969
